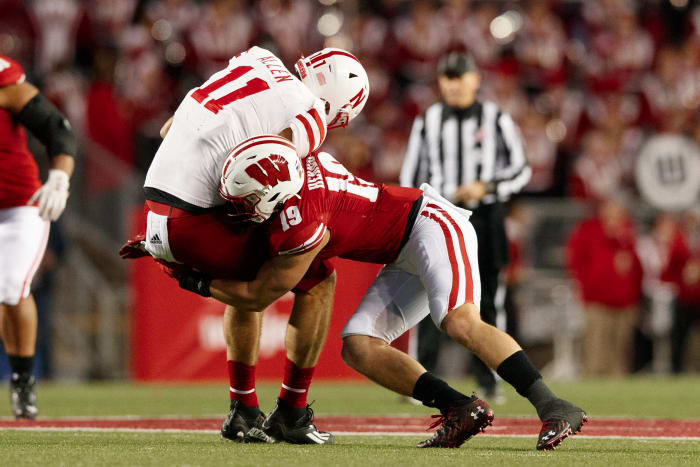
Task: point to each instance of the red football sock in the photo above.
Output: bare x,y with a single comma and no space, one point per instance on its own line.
242,383
295,386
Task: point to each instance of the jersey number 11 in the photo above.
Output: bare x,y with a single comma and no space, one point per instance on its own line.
253,86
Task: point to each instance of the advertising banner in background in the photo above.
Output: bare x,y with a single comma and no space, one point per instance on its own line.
178,336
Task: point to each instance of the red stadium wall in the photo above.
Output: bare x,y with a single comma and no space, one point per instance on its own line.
177,336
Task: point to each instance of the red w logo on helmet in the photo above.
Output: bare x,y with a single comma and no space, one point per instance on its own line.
269,171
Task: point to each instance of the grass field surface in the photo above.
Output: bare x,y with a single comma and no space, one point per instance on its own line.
637,398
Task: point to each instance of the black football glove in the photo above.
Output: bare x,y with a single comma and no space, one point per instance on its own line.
196,282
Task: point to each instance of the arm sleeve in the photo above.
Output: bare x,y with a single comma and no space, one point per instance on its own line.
515,173
415,156
309,129
49,126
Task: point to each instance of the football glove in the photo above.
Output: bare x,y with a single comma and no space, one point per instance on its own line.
187,278
51,197
196,282
134,248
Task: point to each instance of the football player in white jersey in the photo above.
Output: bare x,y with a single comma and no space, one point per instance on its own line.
255,95
187,219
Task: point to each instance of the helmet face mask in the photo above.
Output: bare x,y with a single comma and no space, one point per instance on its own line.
259,175
338,78
342,118
240,209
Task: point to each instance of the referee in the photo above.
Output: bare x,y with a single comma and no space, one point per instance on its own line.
471,152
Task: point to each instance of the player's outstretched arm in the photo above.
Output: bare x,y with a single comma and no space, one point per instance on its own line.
46,122
275,278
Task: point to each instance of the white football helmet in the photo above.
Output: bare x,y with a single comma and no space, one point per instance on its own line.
258,175
338,78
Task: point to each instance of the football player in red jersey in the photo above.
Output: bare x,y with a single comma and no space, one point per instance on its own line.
189,223
26,209
429,248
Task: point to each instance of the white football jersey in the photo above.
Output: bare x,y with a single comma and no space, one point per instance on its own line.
254,95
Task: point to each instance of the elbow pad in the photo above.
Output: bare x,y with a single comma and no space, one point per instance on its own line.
49,126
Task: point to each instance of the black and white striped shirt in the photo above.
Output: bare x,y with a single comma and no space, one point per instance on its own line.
451,147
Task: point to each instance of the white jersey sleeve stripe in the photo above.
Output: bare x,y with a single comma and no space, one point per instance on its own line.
309,244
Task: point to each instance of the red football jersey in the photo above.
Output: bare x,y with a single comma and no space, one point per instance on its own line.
367,221
19,174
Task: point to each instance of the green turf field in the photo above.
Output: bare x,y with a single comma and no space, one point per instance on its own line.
89,449
637,397
634,397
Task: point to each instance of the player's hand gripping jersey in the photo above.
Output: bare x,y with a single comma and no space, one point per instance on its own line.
19,174
368,222
254,95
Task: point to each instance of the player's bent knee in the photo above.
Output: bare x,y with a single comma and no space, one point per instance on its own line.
348,351
462,322
355,350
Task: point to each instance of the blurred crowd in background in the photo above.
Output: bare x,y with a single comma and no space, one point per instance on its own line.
588,82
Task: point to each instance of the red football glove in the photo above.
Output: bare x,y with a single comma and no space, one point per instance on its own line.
134,248
172,270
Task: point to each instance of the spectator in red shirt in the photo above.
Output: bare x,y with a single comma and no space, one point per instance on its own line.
683,271
602,259
110,153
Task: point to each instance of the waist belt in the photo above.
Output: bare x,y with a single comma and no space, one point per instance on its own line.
412,215
166,210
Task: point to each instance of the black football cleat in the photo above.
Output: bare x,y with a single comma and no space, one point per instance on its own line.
295,426
244,424
459,423
561,420
23,397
